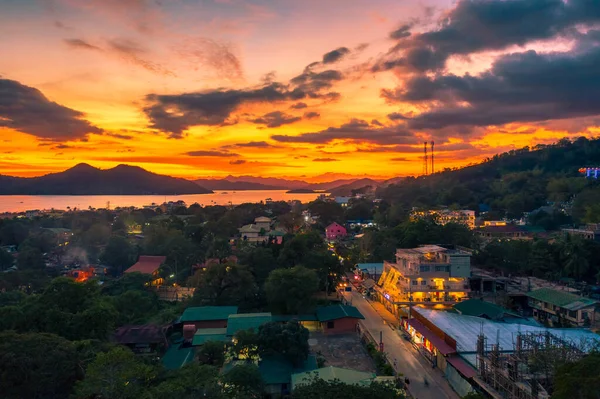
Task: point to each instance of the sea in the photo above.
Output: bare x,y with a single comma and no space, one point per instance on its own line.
22,203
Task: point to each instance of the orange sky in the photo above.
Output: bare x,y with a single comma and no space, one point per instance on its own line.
134,81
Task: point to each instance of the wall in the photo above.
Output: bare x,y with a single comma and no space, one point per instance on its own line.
208,324
457,382
341,326
460,266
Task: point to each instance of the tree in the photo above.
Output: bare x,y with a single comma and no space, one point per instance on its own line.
67,295
289,339
260,262
30,258
190,382
6,260
245,345
11,317
226,284
212,353
118,253
578,380
135,306
37,366
321,389
117,374
243,382
291,291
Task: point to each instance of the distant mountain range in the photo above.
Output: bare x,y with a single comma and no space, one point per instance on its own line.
84,179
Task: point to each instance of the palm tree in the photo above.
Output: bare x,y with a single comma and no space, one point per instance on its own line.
574,255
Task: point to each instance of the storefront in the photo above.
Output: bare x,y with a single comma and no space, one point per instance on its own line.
432,347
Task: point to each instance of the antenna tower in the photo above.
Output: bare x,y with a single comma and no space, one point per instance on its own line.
432,164
425,160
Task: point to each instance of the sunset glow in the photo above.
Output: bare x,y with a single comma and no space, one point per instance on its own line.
288,88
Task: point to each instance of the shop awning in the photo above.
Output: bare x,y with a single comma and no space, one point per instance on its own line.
436,341
462,366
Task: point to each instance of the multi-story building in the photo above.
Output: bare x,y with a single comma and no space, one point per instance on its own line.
561,308
444,216
429,274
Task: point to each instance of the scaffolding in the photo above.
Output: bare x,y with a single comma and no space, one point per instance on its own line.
526,370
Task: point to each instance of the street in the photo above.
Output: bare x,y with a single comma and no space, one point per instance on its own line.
409,363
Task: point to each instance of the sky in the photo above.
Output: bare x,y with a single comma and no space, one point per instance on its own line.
286,88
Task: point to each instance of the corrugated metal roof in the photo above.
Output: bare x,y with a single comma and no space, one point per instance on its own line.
208,313
465,329
462,366
204,335
334,312
561,298
147,264
436,341
480,308
176,357
331,373
246,321
290,317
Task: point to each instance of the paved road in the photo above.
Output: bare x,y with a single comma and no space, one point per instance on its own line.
409,362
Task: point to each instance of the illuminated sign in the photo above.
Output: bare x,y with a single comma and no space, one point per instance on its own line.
387,296
591,173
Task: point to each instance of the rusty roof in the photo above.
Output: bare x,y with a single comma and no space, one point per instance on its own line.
147,264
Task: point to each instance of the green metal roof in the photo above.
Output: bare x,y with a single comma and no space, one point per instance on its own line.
290,317
175,358
210,334
561,299
276,233
479,308
246,321
333,373
277,370
207,313
334,312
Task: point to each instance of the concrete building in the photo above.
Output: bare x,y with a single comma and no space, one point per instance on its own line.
589,232
338,319
429,274
562,308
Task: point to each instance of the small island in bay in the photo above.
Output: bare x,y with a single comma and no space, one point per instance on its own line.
301,191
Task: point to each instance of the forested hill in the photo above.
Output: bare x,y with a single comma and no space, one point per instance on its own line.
513,182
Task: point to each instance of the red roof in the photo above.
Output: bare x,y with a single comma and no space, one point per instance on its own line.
334,225
147,264
463,367
436,341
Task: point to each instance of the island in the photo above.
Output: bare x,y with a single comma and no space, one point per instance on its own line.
301,191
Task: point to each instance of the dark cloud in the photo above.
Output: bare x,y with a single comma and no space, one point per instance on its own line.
120,136
211,154
220,57
521,87
402,32
396,116
356,130
325,160
400,159
310,81
299,105
276,119
255,144
376,123
335,55
237,162
311,115
483,25
81,44
27,110
135,53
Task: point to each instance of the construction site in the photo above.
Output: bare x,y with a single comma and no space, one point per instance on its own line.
526,370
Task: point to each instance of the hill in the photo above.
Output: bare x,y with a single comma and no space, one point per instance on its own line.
84,179
226,184
347,189
511,183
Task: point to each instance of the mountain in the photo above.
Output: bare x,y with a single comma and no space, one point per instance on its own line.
84,179
510,183
226,184
347,188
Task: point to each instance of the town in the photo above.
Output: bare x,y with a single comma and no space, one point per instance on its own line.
353,295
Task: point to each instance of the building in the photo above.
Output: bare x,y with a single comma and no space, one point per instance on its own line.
343,201
338,319
178,356
562,308
210,334
347,376
246,321
588,232
369,270
486,310
259,231
335,231
429,274
263,222
444,216
149,265
141,339
508,231
360,223
207,316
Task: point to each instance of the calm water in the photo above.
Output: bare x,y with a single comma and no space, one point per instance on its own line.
20,203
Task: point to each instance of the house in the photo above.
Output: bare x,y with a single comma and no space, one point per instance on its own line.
370,270
251,233
428,274
207,316
343,201
148,338
499,232
560,307
590,231
338,319
335,231
246,321
445,216
149,265
263,222
346,376
178,356
210,334
481,308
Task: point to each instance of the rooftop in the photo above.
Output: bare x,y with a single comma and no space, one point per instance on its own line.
204,335
208,313
246,321
334,312
480,308
141,334
176,357
465,329
147,264
561,298
249,228
333,373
